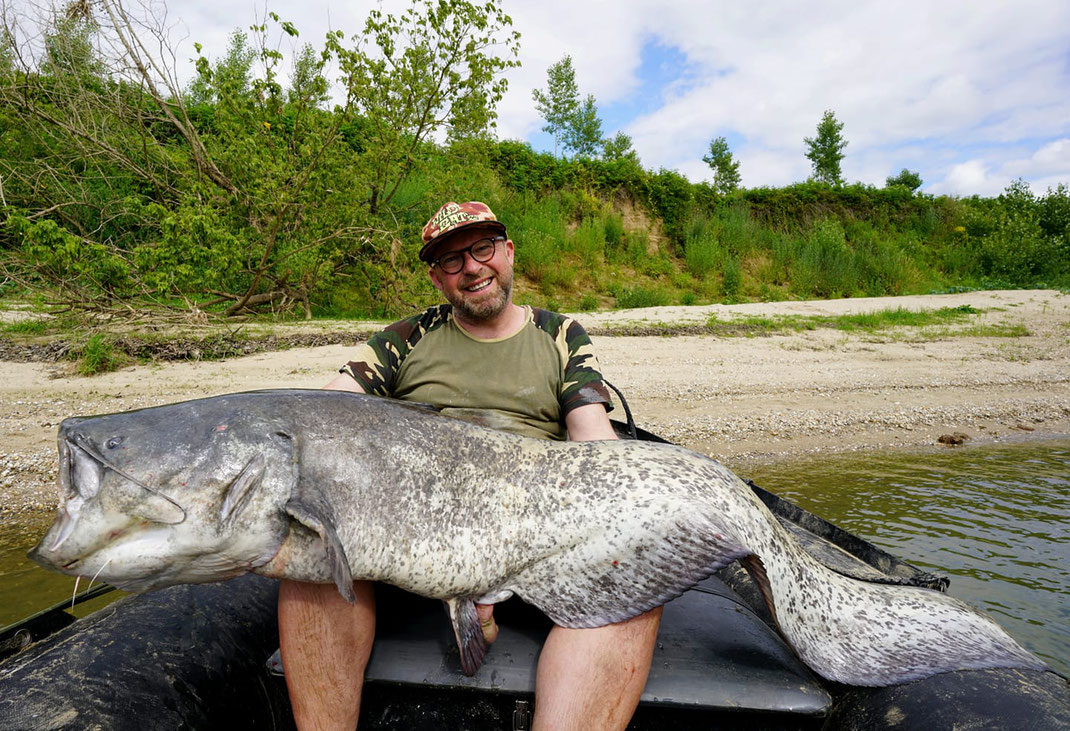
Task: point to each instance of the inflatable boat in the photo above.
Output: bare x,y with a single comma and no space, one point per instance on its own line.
197,657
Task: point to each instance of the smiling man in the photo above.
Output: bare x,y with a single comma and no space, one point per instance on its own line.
519,369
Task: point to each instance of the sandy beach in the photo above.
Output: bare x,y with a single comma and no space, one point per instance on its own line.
738,398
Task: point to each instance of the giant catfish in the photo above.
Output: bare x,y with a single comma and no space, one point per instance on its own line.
328,486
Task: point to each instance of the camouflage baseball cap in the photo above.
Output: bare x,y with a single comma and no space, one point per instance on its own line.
452,217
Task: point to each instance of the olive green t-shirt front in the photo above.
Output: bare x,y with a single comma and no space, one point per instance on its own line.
524,383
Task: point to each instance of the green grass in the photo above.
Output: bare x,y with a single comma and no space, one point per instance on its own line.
100,356
898,317
1016,330
25,327
638,296
869,322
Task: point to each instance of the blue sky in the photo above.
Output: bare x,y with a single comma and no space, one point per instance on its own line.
970,94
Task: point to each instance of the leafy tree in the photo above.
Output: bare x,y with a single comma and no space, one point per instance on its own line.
230,76
308,86
472,117
436,64
619,147
583,135
236,191
905,179
725,168
560,102
825,151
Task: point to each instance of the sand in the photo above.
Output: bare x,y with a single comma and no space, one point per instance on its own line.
741,399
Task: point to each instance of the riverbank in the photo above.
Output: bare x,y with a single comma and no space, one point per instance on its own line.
1000,375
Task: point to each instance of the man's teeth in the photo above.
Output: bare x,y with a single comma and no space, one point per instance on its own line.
481,286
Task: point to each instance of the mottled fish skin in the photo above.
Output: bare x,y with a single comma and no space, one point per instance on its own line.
329,486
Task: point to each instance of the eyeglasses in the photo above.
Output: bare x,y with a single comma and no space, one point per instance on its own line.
481,251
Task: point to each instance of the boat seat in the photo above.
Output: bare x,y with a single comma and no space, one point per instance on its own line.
713,652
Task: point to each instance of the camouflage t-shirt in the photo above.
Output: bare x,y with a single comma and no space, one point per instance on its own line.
525,383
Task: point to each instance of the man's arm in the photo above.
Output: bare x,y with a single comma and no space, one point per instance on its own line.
588,422
344,382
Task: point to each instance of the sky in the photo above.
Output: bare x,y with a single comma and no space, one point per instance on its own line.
971,95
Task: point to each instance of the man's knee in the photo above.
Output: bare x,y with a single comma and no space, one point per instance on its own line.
641,630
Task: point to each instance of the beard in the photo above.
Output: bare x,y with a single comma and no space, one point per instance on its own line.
486,307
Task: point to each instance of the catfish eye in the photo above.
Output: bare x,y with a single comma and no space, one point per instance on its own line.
113,442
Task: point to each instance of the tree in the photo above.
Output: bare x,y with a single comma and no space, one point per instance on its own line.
619,147
234,191
725,168
436,64
905,179
583,135
825,151
307,83
561,100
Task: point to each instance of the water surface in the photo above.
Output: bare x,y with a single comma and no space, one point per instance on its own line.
995,519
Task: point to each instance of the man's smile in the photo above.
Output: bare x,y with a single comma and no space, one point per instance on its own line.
479,286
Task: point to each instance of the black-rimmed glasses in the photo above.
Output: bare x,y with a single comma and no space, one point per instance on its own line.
481,251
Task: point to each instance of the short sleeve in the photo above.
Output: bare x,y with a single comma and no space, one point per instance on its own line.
373,367
376,363
583,383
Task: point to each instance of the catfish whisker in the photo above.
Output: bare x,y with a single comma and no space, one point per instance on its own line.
98,573
75,594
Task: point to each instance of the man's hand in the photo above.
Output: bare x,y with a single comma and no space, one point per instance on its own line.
485,612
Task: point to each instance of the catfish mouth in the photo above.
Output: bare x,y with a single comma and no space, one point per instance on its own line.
81,476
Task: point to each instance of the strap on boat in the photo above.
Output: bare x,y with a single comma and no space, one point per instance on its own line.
627,412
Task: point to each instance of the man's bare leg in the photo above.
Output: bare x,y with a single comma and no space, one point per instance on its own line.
325,644
592,678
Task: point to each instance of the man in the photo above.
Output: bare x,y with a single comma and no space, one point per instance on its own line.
527,371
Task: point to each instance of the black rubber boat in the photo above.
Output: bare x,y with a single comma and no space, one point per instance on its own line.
194,657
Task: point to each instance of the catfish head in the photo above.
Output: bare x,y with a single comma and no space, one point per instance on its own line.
184,493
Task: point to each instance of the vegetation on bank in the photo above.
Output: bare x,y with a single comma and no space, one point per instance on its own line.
54,339
923,324
251,191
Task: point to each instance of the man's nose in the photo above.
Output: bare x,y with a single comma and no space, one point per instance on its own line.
471,266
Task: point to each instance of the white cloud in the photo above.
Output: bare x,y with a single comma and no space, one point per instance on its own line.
1051,159
968,178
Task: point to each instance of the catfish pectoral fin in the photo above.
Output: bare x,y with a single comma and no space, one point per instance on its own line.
469,634
313,518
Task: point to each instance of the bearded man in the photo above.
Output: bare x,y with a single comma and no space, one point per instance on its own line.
519,369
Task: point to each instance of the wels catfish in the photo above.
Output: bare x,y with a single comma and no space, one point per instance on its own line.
328,486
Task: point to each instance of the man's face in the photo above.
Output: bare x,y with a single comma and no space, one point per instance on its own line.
481,290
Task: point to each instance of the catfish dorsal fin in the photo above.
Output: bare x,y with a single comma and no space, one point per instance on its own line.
469,633
315,520
241,488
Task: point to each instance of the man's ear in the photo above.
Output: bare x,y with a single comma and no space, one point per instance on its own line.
431,272
509,249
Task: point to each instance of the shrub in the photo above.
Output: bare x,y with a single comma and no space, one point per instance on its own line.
639,296
825,266
99,356
589,242
702,251
733,277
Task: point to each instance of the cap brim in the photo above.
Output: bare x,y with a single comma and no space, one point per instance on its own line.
429,247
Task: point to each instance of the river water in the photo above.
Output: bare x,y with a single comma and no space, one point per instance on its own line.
995,519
